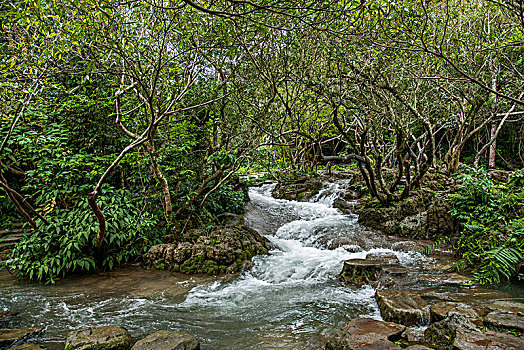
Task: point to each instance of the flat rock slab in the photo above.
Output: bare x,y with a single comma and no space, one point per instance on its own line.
444,278
10,337
168,340
476,340
507,306
386,258
441,310
404,307
458,332
367,333
475,296
505,320
95,338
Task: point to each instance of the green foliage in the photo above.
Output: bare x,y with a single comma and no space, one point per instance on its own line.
226,199
65,245
492,240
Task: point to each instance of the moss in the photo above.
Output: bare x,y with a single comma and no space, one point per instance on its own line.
159,267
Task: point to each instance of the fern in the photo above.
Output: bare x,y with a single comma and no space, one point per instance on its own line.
433,246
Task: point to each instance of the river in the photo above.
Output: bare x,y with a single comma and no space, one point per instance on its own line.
288,298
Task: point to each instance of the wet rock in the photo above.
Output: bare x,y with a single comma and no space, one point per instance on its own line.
300,188
442,334
474,296
405,307
477,340
409,246
168,340
508,306
360,271
445,278
27,346
417,347
439,221
413,335
443,309
94,338
11,337
505,320
223,250
458,332
385,258
347,207
367,333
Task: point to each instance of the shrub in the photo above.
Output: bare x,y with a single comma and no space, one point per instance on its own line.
492,239
65,245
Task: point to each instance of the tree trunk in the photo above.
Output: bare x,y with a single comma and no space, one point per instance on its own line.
493,146
161,179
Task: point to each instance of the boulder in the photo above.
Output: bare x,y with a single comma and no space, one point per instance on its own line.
11,337
505,320
360,271
300,188
404,307
367,333
95,338
168,340
223,250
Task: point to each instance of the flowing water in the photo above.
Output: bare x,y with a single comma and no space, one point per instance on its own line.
289,297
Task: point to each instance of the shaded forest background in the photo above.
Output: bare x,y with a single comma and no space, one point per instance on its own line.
123,122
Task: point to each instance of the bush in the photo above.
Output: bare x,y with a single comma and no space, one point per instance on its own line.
65,245
492,239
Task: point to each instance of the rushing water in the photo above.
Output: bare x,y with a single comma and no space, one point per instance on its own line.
288,297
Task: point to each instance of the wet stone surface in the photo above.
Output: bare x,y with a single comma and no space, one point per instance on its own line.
404,307
367,333
10,337
168,340
94,338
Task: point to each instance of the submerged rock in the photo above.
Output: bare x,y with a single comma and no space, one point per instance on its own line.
11,337
366,333
95,338
168,340
404,307
224,250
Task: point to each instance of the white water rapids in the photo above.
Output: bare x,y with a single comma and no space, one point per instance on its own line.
287,298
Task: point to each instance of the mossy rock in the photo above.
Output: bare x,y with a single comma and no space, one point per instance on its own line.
223,249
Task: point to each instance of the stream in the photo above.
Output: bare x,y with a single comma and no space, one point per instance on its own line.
285,301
